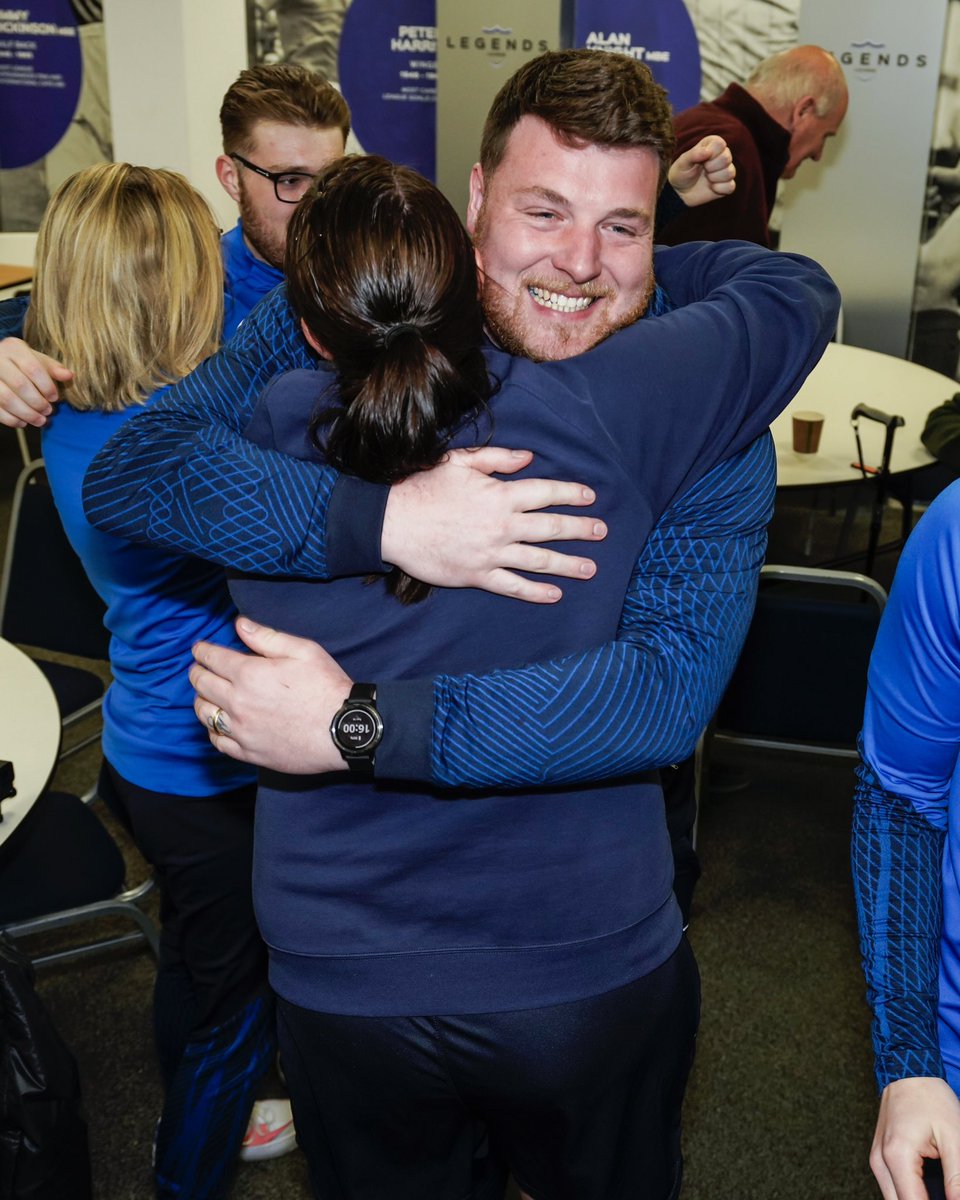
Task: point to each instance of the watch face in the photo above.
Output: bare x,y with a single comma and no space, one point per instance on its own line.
356,730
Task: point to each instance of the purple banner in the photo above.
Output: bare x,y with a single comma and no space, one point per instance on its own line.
656,32
388,74
40,76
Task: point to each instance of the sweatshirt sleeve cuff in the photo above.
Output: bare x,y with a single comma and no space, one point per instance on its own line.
909,1063
354,526
406,707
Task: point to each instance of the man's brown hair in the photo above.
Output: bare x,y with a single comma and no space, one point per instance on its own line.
588,97
285,93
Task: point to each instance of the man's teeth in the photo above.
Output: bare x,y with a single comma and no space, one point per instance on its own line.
560,303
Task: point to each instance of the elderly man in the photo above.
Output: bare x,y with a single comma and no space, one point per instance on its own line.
780,117
562,211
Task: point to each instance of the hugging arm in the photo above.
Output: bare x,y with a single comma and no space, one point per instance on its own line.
182,476
643,700
652,690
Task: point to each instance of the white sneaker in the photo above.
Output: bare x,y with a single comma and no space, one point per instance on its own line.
270,1132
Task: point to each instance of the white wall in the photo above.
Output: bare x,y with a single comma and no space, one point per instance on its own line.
17,249
859,210
169,63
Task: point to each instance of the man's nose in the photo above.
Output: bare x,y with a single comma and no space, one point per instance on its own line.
578,253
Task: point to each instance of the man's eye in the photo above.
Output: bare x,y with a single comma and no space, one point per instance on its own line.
625,230
291,180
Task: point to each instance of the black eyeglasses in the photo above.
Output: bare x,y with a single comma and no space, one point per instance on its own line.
288,186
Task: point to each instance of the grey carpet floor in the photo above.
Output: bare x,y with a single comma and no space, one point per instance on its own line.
781,1101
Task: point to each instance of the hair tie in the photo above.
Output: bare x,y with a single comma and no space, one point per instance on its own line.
396,331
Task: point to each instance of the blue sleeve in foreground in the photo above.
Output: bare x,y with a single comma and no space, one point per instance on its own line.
896,854
909,747
12,313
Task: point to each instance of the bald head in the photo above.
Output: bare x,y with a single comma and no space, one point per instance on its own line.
804,90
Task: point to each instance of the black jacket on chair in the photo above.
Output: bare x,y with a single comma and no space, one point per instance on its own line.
43,1138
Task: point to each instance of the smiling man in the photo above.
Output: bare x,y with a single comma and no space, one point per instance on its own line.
562,267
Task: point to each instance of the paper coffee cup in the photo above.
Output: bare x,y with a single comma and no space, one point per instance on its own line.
807,427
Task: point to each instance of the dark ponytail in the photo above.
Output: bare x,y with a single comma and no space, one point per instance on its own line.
382,273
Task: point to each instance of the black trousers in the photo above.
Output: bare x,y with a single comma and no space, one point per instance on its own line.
580,1101
213,1011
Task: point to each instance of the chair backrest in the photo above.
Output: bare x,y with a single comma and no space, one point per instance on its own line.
60,867
46,600
801,680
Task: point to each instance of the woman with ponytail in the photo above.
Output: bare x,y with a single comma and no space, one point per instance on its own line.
399,317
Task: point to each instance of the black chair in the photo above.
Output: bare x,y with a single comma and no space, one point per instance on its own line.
801,680
48,604
59,867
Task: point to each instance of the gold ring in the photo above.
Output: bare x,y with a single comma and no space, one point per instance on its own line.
219,724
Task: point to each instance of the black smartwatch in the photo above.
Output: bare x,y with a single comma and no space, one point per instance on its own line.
357,729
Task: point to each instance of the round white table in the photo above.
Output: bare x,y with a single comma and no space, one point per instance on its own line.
29,732
845,377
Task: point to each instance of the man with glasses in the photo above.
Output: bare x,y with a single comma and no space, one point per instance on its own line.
280,125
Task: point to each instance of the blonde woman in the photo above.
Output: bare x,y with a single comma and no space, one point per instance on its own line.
129,291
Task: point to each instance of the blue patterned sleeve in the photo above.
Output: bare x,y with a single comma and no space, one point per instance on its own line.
650,693
906,783
180,474
12,313
896,856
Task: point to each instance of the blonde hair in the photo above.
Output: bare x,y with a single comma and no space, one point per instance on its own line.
128,288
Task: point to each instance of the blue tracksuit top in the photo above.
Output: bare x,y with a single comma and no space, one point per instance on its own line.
388,898
906,835
158,604
246,279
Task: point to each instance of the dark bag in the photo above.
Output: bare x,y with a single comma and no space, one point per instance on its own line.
43,1138
941,434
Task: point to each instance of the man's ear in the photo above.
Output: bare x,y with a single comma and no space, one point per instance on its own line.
311,338
803,108
475,203
229,177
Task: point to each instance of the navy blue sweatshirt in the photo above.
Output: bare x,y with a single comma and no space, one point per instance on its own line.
379,898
